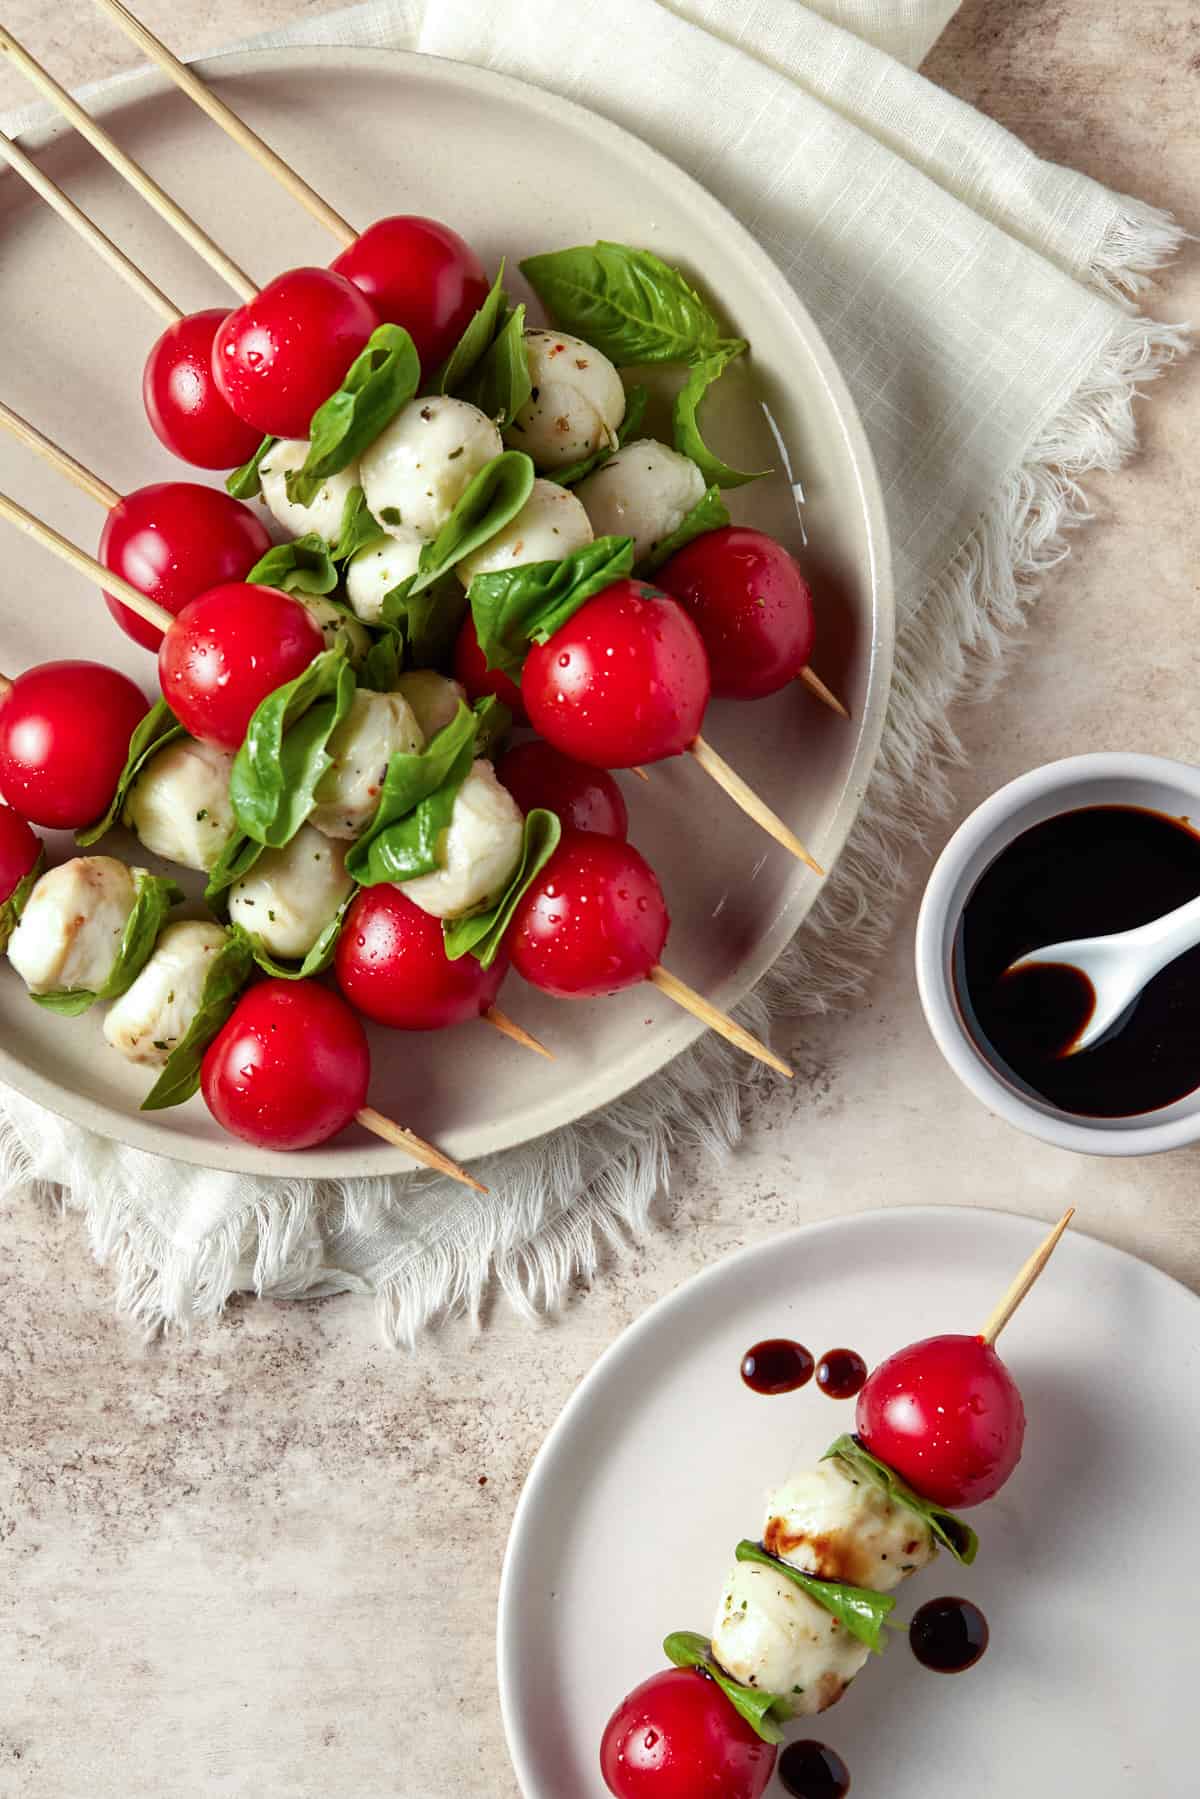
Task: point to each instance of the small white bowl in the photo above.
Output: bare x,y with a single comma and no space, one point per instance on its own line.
1109,779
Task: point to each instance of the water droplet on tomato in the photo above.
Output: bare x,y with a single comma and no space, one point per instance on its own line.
254,358
564,660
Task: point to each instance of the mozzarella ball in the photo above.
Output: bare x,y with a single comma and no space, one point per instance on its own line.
434,699
376,726
549,525
420,466
645,492
830,1522
576,404
770,1635
179,806
335,623
380,565
477,854
69,935
324,513
291,894
148,1021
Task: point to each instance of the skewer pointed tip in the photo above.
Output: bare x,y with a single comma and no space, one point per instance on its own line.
1024,1280
416,1147
743,795
826,696
716,1020
516,1033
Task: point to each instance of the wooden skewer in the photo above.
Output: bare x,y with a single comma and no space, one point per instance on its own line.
125,166
416,1147
744,796
815,685
92,235
718,1021
84,564
508,1027
640,773
1020,1287
236,128
58,458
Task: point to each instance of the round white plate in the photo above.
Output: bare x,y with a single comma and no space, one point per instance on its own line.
383,132
660,1463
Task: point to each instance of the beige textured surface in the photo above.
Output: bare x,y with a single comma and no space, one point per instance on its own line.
264,1561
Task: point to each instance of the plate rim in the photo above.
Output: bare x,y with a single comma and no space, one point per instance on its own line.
473,1142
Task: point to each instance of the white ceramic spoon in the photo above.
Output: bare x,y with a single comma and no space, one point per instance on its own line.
1119,966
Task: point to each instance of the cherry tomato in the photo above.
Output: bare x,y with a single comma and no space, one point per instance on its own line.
173,540
227,650
625,681
186,410
677,1737
19,851
64,737
592,922
750,604
280,356
289,1068
946,1414
421,275
392,964
472,673
585,799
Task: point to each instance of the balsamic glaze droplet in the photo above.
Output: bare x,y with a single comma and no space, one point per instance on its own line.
811,1770
777,1365
948,1635
841,1373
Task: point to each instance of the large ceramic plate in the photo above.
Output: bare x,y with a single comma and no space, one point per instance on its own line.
660,1463
383,132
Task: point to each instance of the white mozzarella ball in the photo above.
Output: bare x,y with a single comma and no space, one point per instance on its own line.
323,514
148,1021
434,698
291,894
335,623
550,524
478,852
380,565
770,1635
179,806
419,467
376,726
645,492
69,935
830,1522
576,404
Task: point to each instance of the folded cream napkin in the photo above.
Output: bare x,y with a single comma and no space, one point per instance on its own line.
980,303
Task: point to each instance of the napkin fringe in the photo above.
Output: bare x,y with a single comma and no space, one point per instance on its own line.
1139,241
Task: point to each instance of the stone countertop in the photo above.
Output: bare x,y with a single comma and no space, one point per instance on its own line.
222,1560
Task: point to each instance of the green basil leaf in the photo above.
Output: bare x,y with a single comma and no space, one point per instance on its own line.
157,729
381,379
426,622
482,933
244,483
415,804
475,341
688,1649
302,566
708,514
493,722
14,905
358,526
226,975
318,958
381,668
237,858
153,899
627,303
688,439
517,606
286,750
636,401
492,500
501,384
950,1531
862,1611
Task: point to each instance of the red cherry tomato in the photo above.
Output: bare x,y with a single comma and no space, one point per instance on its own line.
472,673
186,410
227,650
625,681
585,799
64,736
421,275
19,851
677,1737
289,1068
594,920
947,1415
392,964
173,540
750,604
280,356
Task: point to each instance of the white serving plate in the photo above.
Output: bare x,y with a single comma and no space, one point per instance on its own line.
660,1462
384,132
